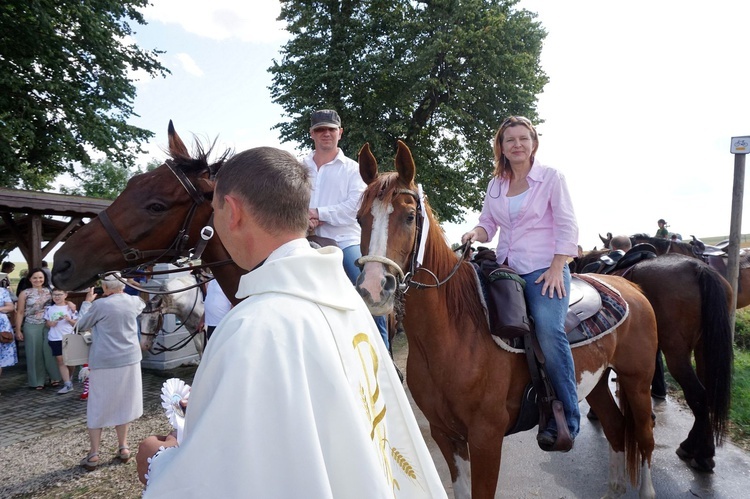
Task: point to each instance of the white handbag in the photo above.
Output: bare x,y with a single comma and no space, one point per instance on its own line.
75,348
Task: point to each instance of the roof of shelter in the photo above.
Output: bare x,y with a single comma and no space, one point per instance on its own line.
48,203
22,206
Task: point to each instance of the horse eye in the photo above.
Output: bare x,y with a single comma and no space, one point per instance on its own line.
156,208
410,218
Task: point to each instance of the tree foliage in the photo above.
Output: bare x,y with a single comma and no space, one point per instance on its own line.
102,179
440,75
66,86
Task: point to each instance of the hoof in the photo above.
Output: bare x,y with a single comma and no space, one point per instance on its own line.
683,454
704,465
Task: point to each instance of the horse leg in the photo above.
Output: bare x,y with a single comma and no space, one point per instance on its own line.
635,397
613,424
485,449
456,455
698,448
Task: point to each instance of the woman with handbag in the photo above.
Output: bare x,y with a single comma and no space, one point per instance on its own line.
8,352
115,385
31,328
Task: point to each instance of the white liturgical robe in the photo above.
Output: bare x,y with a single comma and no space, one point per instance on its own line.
297,397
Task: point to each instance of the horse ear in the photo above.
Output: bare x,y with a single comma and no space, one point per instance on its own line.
177,147
368,165
405,163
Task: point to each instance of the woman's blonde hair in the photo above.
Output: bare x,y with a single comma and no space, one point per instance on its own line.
502,165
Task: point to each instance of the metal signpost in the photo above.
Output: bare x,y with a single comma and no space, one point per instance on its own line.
740,147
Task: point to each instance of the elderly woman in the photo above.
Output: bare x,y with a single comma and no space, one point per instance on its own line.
115,387
531,205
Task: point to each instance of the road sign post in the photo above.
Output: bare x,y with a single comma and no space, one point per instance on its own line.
740,147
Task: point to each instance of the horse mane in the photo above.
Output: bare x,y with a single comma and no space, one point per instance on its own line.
461,289
198,162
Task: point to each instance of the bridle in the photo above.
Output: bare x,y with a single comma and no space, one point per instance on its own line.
158,348
178,248
406,279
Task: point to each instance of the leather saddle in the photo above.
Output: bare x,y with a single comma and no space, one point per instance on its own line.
585,301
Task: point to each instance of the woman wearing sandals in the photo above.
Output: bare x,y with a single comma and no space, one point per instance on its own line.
31,328
115,386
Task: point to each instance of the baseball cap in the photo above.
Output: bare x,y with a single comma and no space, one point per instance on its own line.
325,118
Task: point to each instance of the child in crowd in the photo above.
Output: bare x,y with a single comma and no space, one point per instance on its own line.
61,317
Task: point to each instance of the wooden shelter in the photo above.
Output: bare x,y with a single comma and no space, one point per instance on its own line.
27,220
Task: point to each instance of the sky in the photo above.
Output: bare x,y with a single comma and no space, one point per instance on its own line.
642,101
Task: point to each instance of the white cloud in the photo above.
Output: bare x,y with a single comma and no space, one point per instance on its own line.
250,21
189,64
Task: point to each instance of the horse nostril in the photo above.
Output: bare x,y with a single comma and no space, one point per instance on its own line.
389,283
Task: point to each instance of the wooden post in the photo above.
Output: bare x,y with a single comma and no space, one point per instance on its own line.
740,147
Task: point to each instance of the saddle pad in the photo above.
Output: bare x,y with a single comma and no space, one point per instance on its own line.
614,310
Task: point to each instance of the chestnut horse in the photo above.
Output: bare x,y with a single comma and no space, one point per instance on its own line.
691,301
469,387
157,218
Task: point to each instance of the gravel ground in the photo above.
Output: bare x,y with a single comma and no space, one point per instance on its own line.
47,467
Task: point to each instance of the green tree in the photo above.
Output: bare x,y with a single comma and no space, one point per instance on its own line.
102,179
438,74
65,86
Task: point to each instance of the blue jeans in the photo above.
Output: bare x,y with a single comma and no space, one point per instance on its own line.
351,255
549,321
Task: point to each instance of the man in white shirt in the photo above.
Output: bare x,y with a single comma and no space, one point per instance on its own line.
337,191
295,396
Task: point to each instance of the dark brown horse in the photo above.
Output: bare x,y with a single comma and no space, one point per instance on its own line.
663,246
157,218
469,387
691,302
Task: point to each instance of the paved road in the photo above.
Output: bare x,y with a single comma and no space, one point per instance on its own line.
528,472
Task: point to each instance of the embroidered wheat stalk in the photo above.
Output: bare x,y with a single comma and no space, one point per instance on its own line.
403,463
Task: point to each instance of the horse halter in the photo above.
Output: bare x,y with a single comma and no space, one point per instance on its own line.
406,279
177,248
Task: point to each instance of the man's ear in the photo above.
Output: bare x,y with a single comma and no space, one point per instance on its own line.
236,211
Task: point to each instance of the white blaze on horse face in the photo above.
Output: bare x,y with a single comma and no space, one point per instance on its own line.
381,212
373,273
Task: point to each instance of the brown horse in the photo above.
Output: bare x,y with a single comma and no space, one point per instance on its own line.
663,246
469,387
691,302
157,218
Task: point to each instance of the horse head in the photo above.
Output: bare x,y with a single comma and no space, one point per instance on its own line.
150,321
157,218
389,216
606,241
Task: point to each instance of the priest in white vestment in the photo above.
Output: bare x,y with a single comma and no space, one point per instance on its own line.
296,395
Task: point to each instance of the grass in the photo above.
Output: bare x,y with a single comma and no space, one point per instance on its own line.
739,414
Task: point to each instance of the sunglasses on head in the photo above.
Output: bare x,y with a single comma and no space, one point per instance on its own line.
516,119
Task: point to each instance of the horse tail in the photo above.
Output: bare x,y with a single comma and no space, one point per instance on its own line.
632,450
718,353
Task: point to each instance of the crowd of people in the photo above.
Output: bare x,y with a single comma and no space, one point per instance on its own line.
323,399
